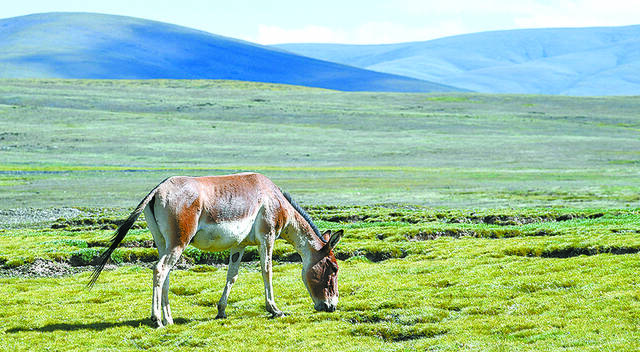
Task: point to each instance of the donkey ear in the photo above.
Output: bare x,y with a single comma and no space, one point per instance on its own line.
326,235
335,238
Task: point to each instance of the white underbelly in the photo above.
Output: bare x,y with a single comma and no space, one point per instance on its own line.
222,236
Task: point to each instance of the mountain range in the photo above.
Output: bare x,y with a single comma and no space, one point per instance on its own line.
88,45
566,61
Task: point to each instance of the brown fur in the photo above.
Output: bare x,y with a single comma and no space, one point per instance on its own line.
322,277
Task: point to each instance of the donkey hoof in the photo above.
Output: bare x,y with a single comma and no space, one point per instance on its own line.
221,315
277,314
156,322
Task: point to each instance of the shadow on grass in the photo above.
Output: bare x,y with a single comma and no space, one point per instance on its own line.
147,322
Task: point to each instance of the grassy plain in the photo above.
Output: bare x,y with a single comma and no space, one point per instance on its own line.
106,143
409,280
473,222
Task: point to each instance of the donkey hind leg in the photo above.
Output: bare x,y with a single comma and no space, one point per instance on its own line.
266,252
161,272
156,314
166,310
161,244
235,258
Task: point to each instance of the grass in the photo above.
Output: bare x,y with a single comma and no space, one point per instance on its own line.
104,143
472,222
447,293
376,233
410,279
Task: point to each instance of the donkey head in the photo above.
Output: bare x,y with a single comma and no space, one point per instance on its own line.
320,275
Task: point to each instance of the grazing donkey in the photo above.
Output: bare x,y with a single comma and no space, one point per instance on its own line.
231,212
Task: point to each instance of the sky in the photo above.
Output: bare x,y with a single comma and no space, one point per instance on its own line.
350,21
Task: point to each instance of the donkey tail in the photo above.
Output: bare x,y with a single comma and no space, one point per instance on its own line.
119,234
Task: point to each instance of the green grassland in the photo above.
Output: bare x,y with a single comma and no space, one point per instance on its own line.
106,143
410,279
472,222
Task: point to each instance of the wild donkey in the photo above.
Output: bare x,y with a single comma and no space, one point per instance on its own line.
231,212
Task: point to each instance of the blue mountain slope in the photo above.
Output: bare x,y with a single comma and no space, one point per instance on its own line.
571,61
83,45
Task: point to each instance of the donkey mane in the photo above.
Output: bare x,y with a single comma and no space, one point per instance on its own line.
304,214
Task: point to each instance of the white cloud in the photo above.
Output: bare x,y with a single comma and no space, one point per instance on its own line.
386,21
462,7
581,13
508,14
307,34
389,32
367,33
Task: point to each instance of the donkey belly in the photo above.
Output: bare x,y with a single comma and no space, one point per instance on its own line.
214,237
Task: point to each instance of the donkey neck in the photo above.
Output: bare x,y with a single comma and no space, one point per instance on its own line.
302,237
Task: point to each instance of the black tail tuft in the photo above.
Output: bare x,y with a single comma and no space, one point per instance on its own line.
118,236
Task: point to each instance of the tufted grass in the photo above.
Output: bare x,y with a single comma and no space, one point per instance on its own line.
475,299
563,279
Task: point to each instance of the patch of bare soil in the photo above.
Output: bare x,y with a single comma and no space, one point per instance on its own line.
12,218
43,268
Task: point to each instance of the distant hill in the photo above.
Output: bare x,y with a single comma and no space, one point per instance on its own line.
569,61
84,45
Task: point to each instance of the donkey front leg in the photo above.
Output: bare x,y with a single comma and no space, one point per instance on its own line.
266,251
235,258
